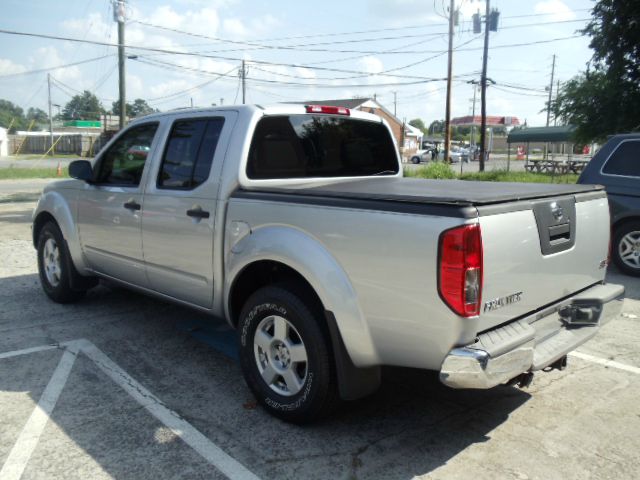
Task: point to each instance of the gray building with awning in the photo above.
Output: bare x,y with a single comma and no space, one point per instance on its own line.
561,134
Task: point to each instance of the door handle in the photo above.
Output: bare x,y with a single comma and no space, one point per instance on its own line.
131,204
197,212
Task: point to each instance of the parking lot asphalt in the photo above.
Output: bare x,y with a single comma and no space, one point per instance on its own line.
137,388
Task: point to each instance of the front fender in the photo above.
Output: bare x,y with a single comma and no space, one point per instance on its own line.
314,262
62,207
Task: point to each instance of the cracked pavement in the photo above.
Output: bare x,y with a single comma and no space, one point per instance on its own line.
575,424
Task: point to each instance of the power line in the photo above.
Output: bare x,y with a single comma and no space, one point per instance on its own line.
193,54
48,69
177,67
196,87
304,47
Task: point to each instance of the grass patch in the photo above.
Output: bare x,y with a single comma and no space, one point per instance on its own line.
439,170
436,170
15,173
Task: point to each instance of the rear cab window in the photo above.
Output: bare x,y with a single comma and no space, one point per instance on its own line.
306,146
189,153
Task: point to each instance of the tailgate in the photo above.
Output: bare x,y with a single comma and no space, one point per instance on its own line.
539,252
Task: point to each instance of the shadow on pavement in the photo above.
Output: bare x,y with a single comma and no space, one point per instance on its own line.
411,426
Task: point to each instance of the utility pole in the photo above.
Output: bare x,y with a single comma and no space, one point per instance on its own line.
553,71
243,77
447,119
483,91
119,16
473,114
555,117
50,118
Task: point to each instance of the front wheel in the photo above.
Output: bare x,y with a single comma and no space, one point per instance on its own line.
415,160
626,248
53,265
285,355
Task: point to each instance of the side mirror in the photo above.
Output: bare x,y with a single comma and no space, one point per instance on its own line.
81,169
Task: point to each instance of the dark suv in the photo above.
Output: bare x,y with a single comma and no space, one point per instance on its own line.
617,166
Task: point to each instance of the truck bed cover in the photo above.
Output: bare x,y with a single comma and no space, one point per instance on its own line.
459,193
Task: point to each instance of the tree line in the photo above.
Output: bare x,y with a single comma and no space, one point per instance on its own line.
85,106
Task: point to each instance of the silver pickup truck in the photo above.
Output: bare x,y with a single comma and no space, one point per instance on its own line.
294,224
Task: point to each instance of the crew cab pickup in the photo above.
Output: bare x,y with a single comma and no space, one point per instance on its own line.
295,224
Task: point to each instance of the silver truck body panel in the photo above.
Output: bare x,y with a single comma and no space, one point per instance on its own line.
514,262
379,260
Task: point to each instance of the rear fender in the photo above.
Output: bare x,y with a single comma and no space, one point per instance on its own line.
313,261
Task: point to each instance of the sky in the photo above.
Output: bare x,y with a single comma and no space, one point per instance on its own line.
294,51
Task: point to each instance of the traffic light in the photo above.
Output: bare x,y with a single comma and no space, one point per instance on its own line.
493,20
477,27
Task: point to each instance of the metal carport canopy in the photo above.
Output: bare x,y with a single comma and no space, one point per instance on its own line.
563,134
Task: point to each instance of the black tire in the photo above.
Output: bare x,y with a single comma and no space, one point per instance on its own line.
318,394
415,160
630,228
58,288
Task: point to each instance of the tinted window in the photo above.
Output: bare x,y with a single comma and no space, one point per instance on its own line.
625,160
320,146
124,162
189,153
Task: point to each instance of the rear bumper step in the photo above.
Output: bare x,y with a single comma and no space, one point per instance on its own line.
532,343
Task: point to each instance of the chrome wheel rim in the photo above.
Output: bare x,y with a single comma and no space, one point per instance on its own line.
629,249
51,262
280,355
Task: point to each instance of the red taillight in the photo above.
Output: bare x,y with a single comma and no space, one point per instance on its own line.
460,275
331,110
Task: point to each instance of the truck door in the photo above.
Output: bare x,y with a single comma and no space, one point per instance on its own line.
109,210
179,217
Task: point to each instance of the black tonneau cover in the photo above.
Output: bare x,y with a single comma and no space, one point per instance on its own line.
448,192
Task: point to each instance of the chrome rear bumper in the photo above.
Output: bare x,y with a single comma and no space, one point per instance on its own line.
531,343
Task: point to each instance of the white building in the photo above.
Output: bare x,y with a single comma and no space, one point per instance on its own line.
4,142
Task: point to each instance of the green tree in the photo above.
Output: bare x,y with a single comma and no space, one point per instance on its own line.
85,106
37,114
437,126
13,115
419,124
605,99
138,108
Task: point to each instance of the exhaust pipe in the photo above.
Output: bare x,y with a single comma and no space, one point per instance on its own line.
523,380
559,364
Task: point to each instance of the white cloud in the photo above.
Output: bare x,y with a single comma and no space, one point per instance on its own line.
556,9
7,67
371,64
234,27
47,57
256,26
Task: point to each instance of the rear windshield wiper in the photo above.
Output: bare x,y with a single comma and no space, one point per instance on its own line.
385,172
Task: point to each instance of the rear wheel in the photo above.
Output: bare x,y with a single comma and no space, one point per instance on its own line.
415,160
285,356
626,248
54,265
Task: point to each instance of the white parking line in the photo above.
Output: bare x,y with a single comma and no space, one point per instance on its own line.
605,362
30,435
180,427
27,351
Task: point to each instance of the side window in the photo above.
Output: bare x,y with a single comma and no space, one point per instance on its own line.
189,153
124,162
625,160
